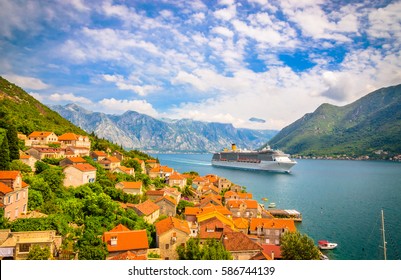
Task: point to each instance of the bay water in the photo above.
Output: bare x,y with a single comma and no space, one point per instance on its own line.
340,200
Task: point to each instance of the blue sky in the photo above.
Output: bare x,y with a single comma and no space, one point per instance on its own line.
223,61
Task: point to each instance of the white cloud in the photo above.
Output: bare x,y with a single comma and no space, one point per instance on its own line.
223,31
70,97
26,82
112,105
123,84
226,13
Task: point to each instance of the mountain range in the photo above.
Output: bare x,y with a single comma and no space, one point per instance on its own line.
133,130
368,126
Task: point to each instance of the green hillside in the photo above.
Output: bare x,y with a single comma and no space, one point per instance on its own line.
367,125
28,114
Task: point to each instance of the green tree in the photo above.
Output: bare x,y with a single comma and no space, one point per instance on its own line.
38,253
35,199
40,166
4,151
12,138
19,165
182,204
297,246
91,247
211,250
132,163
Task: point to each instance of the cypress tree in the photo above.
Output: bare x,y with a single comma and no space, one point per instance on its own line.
12,138
4,151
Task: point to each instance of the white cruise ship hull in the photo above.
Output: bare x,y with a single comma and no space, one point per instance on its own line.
275,166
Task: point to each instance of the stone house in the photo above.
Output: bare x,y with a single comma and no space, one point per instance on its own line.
74,151
74,140
28,160
72,161
154,195
125,170
79,174
118,155
40,153
152,163
248,208
122,240
176,179
134,188
168,206
231,195
110,163
98,155
269,231
240,245
162,172
148,210
17,245
13,194
171,233
41,138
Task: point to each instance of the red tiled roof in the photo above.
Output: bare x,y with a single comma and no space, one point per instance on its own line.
250,204
77,159
68,137
40,134
168,198
207,209
126,239
84,167
171,223
147,207
5,189
155,192
161,168
213,228
268,249
24,156
176,176
241,223
131,185
99,153
10,175
272,223
238,241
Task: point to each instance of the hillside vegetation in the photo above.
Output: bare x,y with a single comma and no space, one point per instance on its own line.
364,127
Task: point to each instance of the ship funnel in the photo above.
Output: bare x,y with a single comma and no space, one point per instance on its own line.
233,147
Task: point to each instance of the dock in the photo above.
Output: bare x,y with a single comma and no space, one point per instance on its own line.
286,214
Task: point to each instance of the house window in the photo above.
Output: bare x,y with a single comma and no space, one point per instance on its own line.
277,241
24,248
8,214
267,241
277,232
16,213
24,208
10,199
17,196
167,246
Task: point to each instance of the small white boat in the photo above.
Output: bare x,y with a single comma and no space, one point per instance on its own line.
326,245
272,205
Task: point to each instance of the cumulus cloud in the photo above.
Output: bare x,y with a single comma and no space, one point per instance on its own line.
26,82
112,105
124,84
69,97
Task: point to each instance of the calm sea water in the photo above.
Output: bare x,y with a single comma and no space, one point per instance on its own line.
340,201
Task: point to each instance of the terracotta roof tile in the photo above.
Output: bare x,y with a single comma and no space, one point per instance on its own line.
147,207
84,167
99,153
68,137
5,189
238,241
241,223
10,175
168,198
268,249
131,185
171,223
77,159
126,239
272,223
40,134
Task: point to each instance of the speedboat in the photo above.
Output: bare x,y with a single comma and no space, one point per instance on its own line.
326,245
272,205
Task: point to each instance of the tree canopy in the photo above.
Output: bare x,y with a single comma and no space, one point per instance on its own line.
297,246
211,250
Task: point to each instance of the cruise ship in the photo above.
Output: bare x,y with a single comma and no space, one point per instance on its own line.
266,159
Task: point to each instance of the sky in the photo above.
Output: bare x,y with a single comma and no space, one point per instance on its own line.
257,64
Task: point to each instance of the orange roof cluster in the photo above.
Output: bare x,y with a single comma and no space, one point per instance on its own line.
84,167
147,207
272,223
126,239
213,228
206,210
4,189
176,176
171,223
241,223
9,175
155,192
110,160
40,134
99,153
238,241
162,168
131,185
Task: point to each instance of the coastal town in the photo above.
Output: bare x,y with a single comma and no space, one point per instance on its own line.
137,208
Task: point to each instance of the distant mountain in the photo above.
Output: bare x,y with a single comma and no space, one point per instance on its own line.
28,114
133,130
368,125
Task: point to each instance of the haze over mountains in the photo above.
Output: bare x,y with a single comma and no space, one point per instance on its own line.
133,130
364,127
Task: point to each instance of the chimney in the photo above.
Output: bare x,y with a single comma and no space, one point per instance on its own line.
272,255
